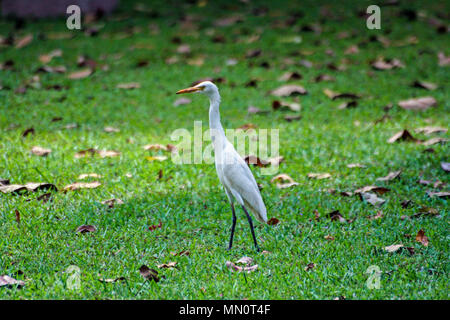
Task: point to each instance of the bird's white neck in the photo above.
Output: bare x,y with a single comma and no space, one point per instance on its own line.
217,132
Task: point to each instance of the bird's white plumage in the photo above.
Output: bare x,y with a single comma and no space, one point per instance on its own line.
233,172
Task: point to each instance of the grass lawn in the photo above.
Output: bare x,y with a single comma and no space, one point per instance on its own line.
188,200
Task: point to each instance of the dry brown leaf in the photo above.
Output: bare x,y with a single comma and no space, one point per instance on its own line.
422,238
422,103
30,186
433,141
329,237
24,41
167,265
46,58
39,151
372,199
336,216
429,130
148,274
86,228
391,176
111,203
336,95
355,165
424,85
84,73
129,85
7,281
402,135
182,101
88,175
112,280
156,158
284,177
234,267
445,166
289,90
287,76
310,266
82,185
376,189
381,64
181,253
111,129
319,176
155,146
273,221
443,59
443,194
393,247
245,260
284,105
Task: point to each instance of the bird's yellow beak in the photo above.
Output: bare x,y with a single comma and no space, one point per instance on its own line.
190,90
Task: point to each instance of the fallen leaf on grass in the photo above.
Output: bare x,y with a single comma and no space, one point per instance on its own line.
336,95
111,129
429,130
402,135
85,228
391,176
10,282
155,146
376,189
181,253
182,101
156,158
379,215
433,141
347,105
112,280
319,176
424,85
167,265
432,194
245,261
336,216
80,74
111,203
445,166
289,90
382,64
418,103
283,105
273,221
46,58
233,267
310,266
24,41
290,118
39,151
88,175
284,177
422,238
256,161
393,248
328,237
425,211
372,199
101,153
130,85
443,59
290,76
30,186
148,274
82,185
355,165
155,226
17,214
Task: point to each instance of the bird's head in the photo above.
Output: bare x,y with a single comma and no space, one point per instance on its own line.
206,87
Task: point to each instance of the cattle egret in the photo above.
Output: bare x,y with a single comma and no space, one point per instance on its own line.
233,172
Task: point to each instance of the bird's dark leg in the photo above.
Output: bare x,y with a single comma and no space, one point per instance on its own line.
251,228
232,226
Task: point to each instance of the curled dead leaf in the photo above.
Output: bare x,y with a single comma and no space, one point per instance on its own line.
319,176
82,185
39,151
85,228
422,238
289,90
284,177
422,103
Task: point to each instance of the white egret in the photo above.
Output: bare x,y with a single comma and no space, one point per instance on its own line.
233,172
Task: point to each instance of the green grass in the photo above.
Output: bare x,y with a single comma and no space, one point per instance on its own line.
189,200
